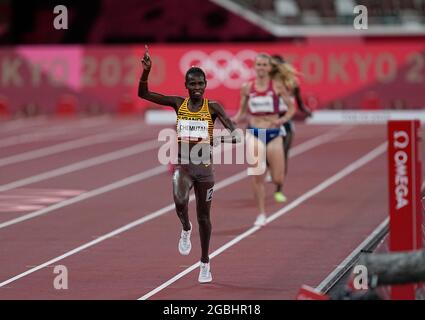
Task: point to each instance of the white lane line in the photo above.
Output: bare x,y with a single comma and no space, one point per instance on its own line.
324,137
95,121
297,150
330,181
84,164
90,194
112,186
20,123
69,145
309,194
57,130
39,122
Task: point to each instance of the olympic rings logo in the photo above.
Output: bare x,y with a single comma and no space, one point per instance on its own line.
221,66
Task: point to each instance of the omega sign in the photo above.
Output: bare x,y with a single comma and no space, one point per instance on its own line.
401,158
404,181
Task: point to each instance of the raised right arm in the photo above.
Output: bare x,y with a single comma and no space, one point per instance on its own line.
144,93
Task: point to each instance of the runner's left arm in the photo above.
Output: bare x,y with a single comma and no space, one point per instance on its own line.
300,102
283,92
218,110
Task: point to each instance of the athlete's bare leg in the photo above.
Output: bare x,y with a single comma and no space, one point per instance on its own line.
276,159
203,194
182,183
257,148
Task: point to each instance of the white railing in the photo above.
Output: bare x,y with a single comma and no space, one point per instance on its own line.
280,30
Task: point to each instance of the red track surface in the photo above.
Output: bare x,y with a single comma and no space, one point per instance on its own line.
301,247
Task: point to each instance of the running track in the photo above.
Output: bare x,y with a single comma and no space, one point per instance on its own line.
89,194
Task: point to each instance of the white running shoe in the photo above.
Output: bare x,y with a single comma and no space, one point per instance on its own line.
184,243
261,220
205,273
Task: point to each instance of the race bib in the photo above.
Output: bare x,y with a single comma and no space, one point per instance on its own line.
261,104
188,129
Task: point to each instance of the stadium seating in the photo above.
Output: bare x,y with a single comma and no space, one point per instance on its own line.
307,12
109,21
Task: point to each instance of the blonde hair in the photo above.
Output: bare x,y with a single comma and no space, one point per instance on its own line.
284,72
263,55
